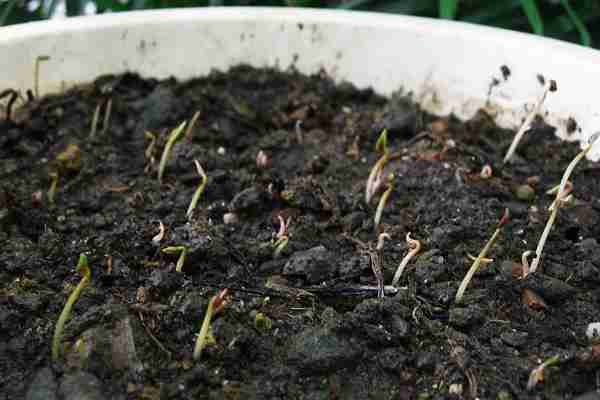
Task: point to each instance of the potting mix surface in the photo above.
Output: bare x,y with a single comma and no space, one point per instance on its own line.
301,318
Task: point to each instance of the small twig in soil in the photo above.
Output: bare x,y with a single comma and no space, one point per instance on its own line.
36,74
562,197
154,339
549,86
174,136
481,257
84,270
215,304
415,247
199,190
181,250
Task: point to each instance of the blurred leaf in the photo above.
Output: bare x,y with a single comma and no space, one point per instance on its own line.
533,15
584,35
6,10
448,9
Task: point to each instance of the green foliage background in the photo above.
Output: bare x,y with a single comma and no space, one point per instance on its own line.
575,21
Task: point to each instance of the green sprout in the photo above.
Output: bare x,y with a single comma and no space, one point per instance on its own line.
262,322
95,119
181,250
374,179
282,238
562,197
84,270
198,191
53,186
481,259
174,136
36,74
383,199
215,305
549,86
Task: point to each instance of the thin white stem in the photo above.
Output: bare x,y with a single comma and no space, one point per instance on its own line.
527,123
415,247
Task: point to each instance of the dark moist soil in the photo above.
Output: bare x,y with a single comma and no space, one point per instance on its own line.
307,325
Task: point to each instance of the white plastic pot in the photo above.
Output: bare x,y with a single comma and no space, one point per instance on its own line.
449,66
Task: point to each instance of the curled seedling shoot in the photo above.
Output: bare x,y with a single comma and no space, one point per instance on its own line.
537,374
562,197
12,95
160,235
174,136
549,86
53,186
374,180
215,305
414,248
181,250
190,127
383,200
84,270
36,74
481,258
199,190
525,262
282,237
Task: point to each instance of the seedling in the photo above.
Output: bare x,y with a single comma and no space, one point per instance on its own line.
376,258
282,238
549,86
215,305
12,95
414,248
181,250
36,74
562,197
84,270
481,257
107,113
53,186
537,374
199,190
190,128
262,160
383,200
174,136
95,119
486,172
160,235
374,180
